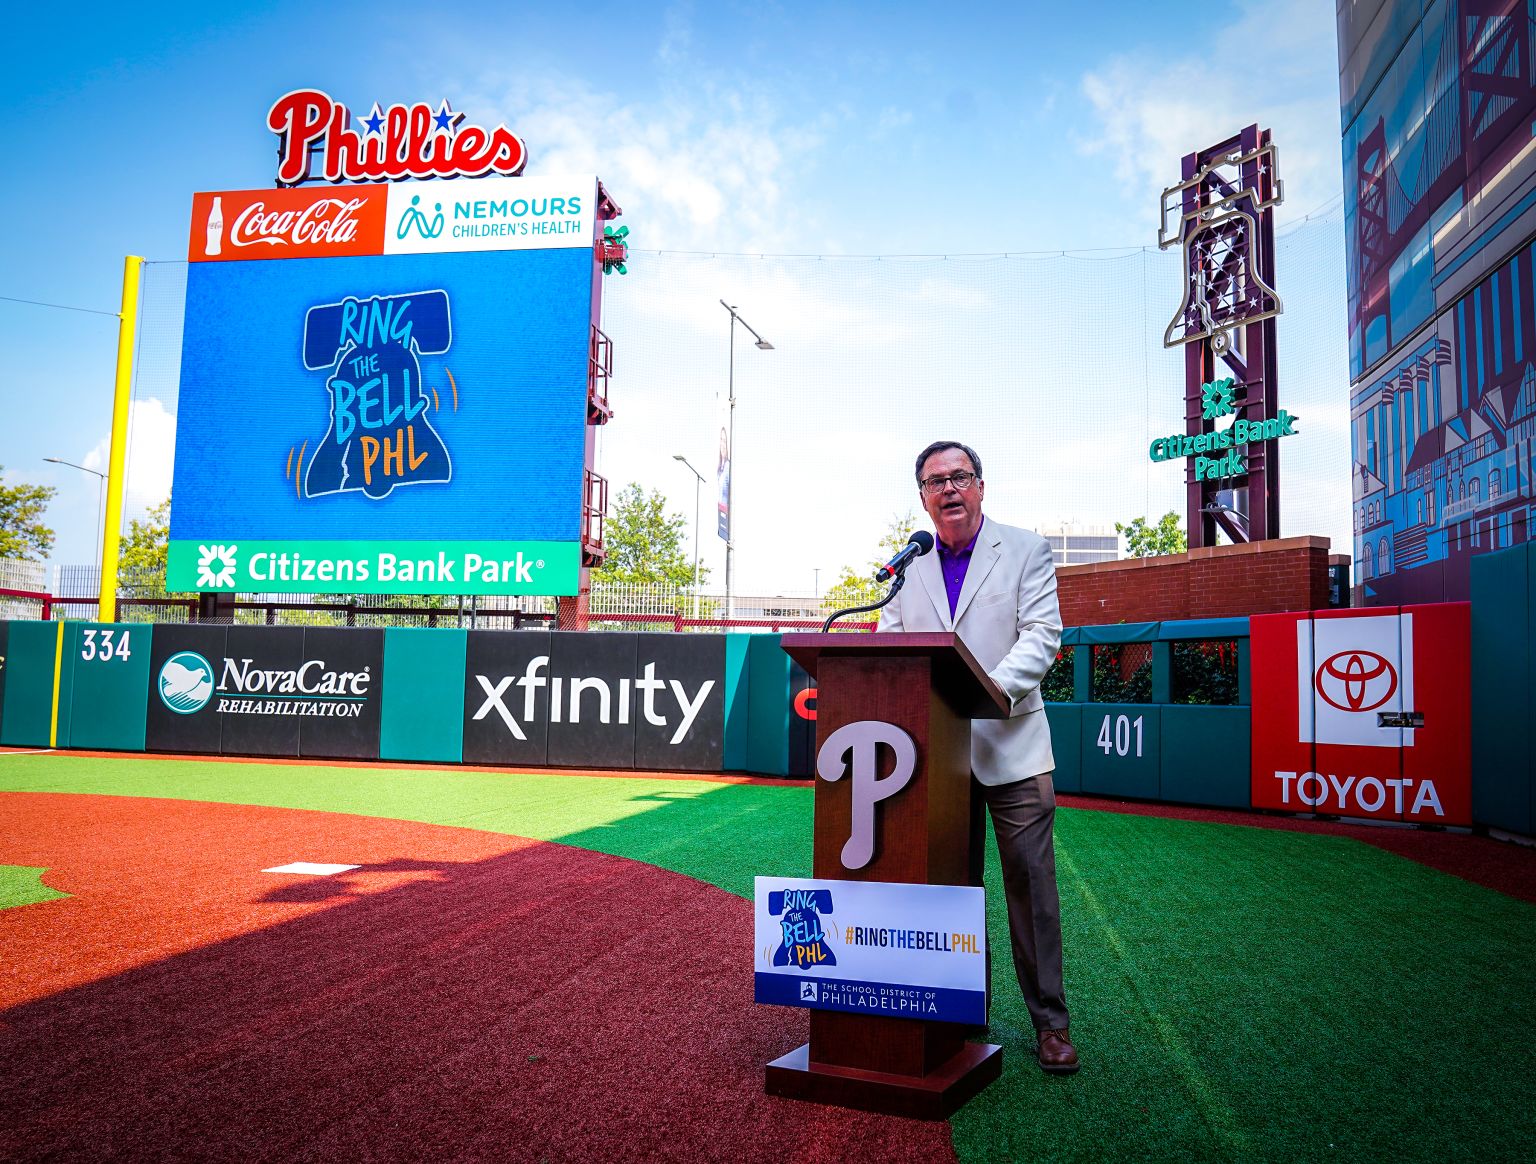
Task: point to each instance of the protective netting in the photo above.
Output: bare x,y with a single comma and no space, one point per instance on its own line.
1051,365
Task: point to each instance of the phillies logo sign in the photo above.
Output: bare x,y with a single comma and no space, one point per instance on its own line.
854,749
1357,680
392,143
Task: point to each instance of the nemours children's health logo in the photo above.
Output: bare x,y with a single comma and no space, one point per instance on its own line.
380,437
413,218
185,682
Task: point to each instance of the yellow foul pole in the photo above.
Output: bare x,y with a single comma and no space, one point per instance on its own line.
127,329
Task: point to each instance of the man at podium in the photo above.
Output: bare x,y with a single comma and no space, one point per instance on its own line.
995,586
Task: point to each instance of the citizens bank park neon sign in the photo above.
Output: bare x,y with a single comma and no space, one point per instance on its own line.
394,143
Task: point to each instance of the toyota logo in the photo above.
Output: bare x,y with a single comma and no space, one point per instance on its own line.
1356,680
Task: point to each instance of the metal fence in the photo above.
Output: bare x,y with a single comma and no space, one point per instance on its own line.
23,587
74,594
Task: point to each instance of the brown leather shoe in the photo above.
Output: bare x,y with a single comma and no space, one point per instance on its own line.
1056,1053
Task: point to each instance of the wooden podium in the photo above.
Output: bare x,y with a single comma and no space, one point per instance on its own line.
930,686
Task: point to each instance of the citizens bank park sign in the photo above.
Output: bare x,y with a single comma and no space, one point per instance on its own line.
384,384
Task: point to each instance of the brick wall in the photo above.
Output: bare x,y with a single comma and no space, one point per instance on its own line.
1215,582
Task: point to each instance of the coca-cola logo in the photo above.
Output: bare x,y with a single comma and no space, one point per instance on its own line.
330,220
1356,680
395,143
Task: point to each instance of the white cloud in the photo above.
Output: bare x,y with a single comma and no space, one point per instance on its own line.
677,37
890,120
1151,111
702,168
873,359
151,454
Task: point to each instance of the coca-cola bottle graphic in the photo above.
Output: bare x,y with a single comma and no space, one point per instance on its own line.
215,241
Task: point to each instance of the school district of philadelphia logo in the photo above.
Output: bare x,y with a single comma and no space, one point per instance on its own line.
186,682
380,437
805,939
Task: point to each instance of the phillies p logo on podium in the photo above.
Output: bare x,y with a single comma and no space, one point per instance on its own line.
1364,713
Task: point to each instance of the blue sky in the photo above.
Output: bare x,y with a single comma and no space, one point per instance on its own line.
759,128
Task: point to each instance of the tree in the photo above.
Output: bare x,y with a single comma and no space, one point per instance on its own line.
141,555
645,542
861,589
22,532
1150,541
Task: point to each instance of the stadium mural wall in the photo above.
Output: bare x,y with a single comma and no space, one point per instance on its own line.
1438,105
1343,713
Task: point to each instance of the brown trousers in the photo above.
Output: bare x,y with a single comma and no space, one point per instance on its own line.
1023,813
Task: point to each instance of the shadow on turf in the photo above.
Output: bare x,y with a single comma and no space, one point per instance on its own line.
544,1003
351,883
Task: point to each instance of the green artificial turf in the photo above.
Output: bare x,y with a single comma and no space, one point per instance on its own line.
21,885
1255,994
1238,993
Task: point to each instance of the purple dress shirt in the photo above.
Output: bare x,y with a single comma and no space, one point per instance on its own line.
953,564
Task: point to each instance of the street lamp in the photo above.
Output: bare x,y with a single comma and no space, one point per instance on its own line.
730,438
699,481
101,483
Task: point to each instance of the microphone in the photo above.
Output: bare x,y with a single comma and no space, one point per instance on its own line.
917,545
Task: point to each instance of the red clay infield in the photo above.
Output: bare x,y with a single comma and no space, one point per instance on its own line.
462,995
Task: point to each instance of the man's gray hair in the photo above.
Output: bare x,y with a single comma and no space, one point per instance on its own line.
941,446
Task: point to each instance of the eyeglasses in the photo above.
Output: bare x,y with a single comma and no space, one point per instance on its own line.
961,481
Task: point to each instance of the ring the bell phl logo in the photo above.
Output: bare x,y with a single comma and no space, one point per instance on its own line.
381,434
1364,713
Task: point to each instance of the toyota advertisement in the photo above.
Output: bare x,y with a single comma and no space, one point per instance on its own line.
1364,713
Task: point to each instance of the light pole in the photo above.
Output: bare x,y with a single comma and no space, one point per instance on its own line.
730,438
699,480
101,483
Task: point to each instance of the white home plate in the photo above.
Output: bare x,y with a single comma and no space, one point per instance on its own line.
311,868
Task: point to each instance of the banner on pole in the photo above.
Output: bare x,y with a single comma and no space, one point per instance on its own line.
723,470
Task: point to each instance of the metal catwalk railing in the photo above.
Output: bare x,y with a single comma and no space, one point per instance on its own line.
74,594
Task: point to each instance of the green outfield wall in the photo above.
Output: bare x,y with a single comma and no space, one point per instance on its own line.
1504,689
1156,712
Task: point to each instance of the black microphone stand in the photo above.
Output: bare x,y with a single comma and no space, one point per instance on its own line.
896,585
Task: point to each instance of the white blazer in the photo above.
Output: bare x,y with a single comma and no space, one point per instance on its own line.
1008,618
